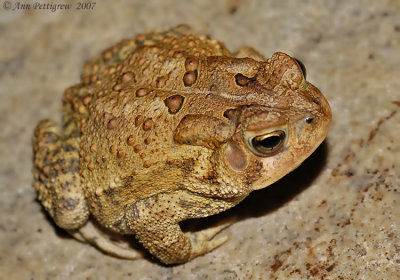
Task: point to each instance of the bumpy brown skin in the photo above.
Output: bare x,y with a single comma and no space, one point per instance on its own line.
158,132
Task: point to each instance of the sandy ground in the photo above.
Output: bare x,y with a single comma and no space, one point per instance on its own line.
336,217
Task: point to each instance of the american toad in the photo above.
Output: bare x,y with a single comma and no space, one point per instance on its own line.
167,127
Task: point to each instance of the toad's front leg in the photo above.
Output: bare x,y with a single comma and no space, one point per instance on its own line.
155,222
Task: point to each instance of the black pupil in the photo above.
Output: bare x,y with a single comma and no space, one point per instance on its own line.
269,142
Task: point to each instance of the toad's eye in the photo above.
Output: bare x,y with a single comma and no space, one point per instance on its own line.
267,144
302,67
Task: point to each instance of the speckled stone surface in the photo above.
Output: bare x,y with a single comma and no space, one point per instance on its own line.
336,217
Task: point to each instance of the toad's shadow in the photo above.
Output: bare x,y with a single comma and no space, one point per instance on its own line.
267,200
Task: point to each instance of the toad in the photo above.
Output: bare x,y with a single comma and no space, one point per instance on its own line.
167,127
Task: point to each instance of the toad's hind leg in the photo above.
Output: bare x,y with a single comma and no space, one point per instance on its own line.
56,175
90,234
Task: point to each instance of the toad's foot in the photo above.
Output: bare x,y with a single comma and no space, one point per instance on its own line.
90,234
204,241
